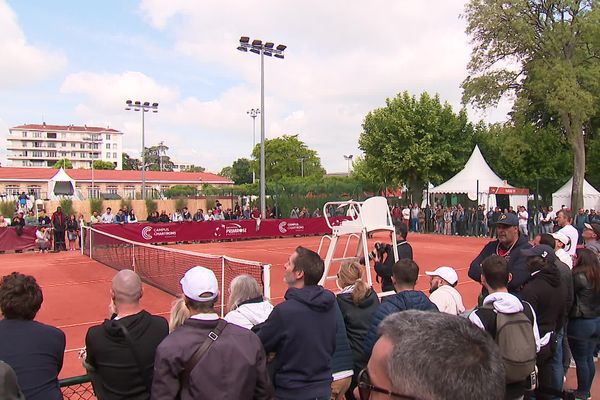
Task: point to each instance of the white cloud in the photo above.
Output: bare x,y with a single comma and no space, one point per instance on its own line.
21,63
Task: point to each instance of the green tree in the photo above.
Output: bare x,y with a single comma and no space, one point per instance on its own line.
156,158
366,175
130,163
194,168
287,156
547,53
63,163
99,164
241,171
227,172
412,141
181,191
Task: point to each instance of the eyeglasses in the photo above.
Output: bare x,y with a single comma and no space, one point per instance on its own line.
365,388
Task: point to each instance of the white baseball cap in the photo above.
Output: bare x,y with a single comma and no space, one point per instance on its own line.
561,237
198,281
446,273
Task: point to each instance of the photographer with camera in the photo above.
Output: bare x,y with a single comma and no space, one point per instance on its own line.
383,254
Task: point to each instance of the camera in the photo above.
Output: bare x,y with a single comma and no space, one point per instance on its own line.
378,252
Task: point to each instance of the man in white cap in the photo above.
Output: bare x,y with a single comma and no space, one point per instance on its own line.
561,240
192,362
443,292
591,234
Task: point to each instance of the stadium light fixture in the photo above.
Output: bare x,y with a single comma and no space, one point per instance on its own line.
349,159
258,47
144,108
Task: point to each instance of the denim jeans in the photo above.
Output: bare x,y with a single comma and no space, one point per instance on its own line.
583,334
558,370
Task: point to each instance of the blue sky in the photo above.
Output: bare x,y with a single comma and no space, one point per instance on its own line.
77,62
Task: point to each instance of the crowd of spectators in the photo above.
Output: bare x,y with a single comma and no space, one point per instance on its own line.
536,316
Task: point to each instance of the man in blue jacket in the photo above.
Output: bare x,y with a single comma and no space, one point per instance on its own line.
404,276
301,331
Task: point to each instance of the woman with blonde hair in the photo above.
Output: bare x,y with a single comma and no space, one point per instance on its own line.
247,306
357,303
179,313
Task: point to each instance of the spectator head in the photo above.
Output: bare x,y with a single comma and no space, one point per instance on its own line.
442,276
179,313
561,240
58,209
548,240
539,257
20,296
587,262
591,232
126,288
450,358
350,274
405,274
303,268
508,229
201,290
95,213
401,230
108,210
243,288
563,218
494,273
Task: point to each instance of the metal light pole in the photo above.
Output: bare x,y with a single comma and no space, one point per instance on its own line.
301,160
253,113
349,159
266,49
144,108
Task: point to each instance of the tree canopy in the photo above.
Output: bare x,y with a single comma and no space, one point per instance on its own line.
130,163
287,156
547,53
99,164
414,140
63,163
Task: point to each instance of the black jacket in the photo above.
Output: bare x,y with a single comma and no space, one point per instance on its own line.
587,300
548,297
357,318
566,279
302,333
516,263
384,269
110,353
342,358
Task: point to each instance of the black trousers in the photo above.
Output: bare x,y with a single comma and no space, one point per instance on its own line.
59,240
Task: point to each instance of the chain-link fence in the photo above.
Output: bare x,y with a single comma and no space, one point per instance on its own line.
77,388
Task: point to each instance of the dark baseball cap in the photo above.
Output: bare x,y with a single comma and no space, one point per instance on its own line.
541,250
593,227
509,219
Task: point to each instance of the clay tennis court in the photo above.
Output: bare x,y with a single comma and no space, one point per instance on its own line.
76,289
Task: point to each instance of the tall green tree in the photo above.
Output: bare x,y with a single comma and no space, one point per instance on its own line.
130,163
100,164
240,171
415,140
194,168
156,158
547,53
287,156
63,163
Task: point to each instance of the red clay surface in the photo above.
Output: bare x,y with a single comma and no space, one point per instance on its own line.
76,288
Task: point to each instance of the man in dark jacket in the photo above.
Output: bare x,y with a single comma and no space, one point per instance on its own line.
302,331
548,297
508,245
120,351
342,365
383,268
59,225
233,366
405,275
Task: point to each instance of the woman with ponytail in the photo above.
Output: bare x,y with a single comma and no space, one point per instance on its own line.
357,302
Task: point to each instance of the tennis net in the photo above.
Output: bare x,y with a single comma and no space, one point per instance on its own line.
163,267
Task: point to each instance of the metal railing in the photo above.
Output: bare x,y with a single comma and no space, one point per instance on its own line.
77,388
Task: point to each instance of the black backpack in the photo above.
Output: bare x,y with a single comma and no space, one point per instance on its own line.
514,335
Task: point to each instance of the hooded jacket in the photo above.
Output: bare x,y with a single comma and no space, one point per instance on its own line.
405,300
110,353
357,318
548,297
302,333
250,313
516,263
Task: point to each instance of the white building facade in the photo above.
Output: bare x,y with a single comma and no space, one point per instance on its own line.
43,145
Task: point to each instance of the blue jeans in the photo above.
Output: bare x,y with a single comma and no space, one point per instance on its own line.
558,370
583,333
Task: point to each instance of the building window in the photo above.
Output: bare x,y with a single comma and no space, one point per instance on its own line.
51,135
63,153
93,192
114,146
37,144
114,155
37,134
82,145
36,154
95,146
63,144
112,190
83,155
130,192
36,191
12,190
107,146
73,144
24,134
107,136
52,145
25,163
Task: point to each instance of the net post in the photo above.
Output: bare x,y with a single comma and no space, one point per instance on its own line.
81,239
267,281
222,287
90,233
133,257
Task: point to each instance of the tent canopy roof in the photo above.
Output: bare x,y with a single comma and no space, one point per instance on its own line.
565,190
61,176
465,181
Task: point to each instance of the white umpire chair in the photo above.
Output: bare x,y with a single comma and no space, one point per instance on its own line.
371,215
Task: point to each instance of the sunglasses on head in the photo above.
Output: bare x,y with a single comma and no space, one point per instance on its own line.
365,387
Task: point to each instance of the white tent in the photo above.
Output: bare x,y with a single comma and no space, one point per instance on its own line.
591,197
61,185
465,182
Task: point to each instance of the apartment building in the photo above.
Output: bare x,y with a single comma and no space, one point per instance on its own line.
43,145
